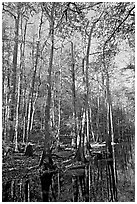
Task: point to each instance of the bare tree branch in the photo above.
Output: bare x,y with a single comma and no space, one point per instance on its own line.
109,38
6,10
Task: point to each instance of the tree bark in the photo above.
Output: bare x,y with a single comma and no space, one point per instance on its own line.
74,92
14,70
17,117
59,100
34,77
47,142
46,159
86,139
33,111
110,135
4,95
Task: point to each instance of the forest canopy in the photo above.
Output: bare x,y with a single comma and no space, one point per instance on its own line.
28,30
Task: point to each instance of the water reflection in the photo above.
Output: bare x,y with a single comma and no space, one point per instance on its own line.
92,183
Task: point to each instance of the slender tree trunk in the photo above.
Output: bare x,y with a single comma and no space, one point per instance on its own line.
46,177
33,106
60,95
97,120
24,115
80,156
74,92
4,95
91,127
59,120
34,77
87,89
4,126
53,96
22,76
110,138
47,142
87,83
17,117
87,79
33,111
31,97
14,70
28,120
19,92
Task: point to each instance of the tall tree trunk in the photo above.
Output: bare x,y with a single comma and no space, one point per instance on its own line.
34,102
97,120
60,95
87,84
110,137
22,76
110,141
4,95
80,156
25,115
31,96
47,142
87,79
33,111
33,78
86,139
86,89
17,117
46,159
91,127
74,92
20,79
53,105
28,119
14,70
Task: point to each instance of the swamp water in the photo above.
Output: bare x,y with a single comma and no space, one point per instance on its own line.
90,183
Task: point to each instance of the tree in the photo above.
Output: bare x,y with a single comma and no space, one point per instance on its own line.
74,92
16,17
47,142
31,95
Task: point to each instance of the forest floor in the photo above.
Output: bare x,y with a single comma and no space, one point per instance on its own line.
18,168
